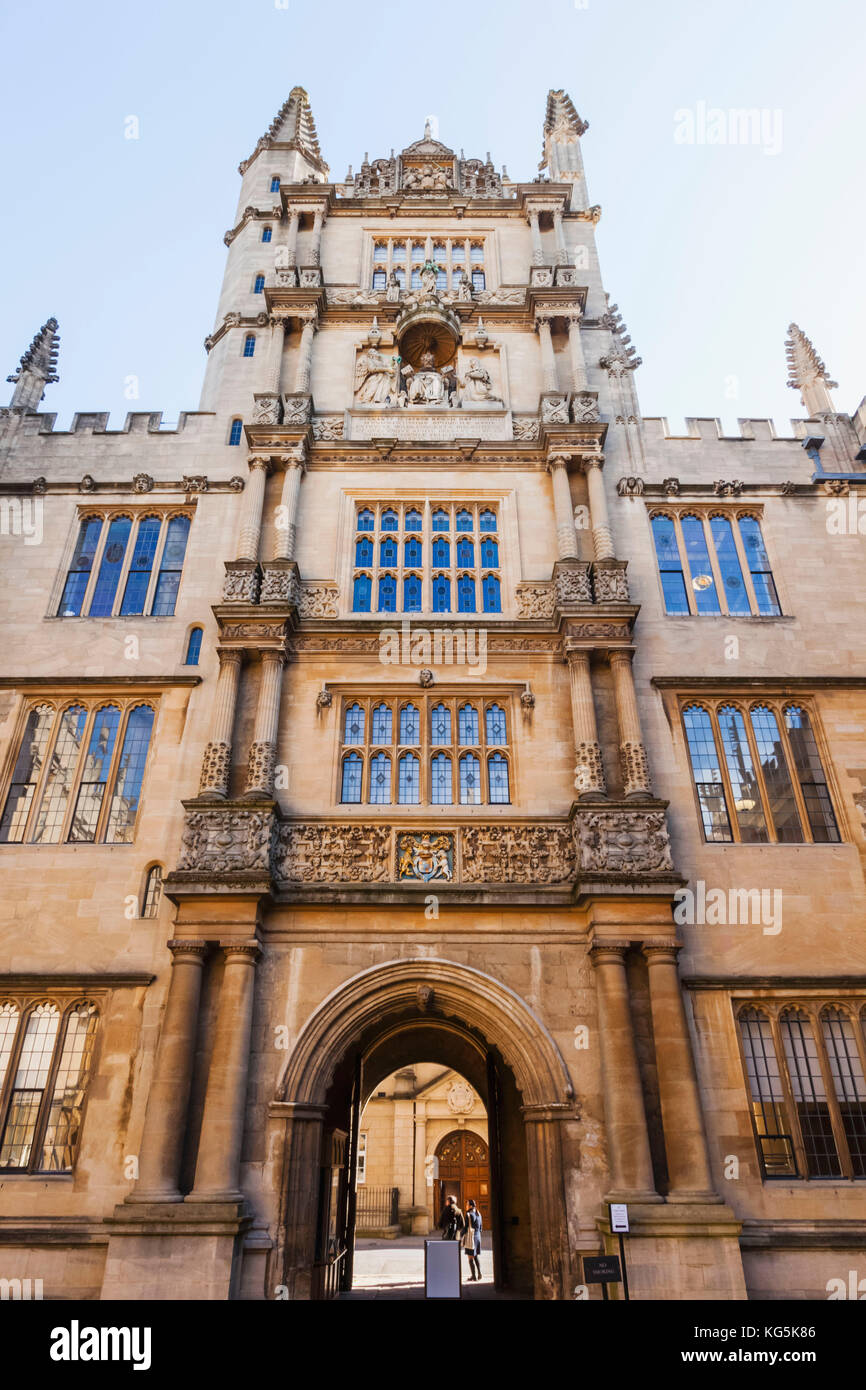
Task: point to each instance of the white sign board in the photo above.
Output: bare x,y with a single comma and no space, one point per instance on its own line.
442,1268
619,1217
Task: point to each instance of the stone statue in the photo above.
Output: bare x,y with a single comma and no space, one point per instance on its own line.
427,385
393,287
464,289
374,377
428,277
476,384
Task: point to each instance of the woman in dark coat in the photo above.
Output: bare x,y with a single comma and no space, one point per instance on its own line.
473,1235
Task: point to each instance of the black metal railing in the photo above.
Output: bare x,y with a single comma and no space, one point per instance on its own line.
327,1273
377,1206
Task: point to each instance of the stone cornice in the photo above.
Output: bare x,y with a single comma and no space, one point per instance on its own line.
77,981
98,682
766,685
141,487
817,984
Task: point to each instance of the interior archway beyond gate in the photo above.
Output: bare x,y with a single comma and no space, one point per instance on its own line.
378,1022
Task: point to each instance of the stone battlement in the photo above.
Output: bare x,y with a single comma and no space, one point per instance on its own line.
96,422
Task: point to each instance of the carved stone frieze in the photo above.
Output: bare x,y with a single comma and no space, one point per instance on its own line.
630,487
535,600
731,488
622,842
517,854
280,584
225,840
297,408
241,584
333,853
194,482
524,429
554,408
610,584
501,296
237,632
268,409
318,600
328,427
541,276
584,408
572,584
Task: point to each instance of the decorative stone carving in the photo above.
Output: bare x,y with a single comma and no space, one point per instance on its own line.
517,854
461,1097
425,855
87,484
318,600
374,378
437,423
223,841
671,487
237,632
333,853
310,277
142,482
630,487
788,488
40,485
623,842
572,585
267,409
554,408
541,277
194,482
535,600
588,769
523,429
260,767
584,408
236,484
280,584
727,489
324,699
610,584
501,296
241,585
836,487
477,384
328,427
215,769
424,996
354,298
425,679
297,409
527,700
566,275
635,768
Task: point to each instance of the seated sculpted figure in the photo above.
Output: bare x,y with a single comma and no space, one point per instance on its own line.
374,377
427,385
477,385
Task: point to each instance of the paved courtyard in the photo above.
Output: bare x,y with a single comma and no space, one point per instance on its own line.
395,1269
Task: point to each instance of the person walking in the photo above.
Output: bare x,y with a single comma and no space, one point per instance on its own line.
452,1222
472,1239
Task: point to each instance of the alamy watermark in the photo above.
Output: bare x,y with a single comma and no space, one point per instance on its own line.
443,646
716,907
22,516
734,125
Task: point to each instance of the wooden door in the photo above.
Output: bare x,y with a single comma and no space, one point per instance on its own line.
464,1172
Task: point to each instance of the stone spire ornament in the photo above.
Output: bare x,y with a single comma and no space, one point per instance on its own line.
561,155
293,129
37,369
808,374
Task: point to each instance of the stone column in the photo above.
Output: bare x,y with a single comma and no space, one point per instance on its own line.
286,532
316,247
602,537
222,1127
685,1141
214,783
305,358
631,1171
164,1133
589,769
263,749
575,347
547,1195
548,359
537,249
561,249
251,512
566,537
633,758
278,340
294,219
293,1264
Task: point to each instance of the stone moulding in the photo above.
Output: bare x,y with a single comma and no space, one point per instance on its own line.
601,841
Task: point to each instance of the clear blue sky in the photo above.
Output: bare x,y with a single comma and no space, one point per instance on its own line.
709,250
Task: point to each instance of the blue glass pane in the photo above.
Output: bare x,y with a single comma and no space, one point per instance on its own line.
389,521
364,551
759,565
412,594
350,790
109,570
777,779
410,725
387,594
171,566
465,594
441,551
465,552
470,780
266,233
412,551
495,724
729,564
259,286
381,732
674,590
440,520
79,570
130,774
492,595
236,432
707,774
380,779
489,553
464,520
413,521
441,594
467,724
440,780
353,731
487,521
361,591
249,345
365,520
193,649
497,774
409,786
670,566
440,724
143,553
703,584
388,551
94,774
380,280
275,184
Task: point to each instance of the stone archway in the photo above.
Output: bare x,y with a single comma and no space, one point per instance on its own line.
457,1007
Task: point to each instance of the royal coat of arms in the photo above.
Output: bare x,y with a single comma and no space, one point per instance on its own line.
425,856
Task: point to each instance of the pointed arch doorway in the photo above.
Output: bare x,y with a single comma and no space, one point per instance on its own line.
374,1024
464,1172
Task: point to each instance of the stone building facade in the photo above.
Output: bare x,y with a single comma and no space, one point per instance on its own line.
418,699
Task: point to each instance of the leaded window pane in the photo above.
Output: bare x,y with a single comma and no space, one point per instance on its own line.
441,520
729,565
412,552
61,772
467,724
810,773
848,1083
698,556
389,521
748,808
366,520
409,784
9,1016
491,591
465,552
171,567
64,1113
777,780
31,1078
769,1111
497,773
441,551
670,565
363,551
810,1099
410,725
412,593
382,723
707,774
441,594
466,594
380,779
361,592
495,724
759,566
193,650
94,775
354,725
440,724
152,892
470,780
464,520
489,553
487,521
388,551
412,521
143,554
350,791
130,775
110,567
440,780
79,571
387,594
25,777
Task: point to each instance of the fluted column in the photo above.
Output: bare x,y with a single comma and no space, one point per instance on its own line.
162,1141
575,347
632,753
278,341
222,1127
589,768
548,359
263,749
535,230
602,537
561,249
217,759
631,1172
316,247
285,532
251,511
294,219
566,537
685,1140
305,357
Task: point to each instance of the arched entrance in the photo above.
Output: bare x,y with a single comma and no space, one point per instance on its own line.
375,1023
464,1172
